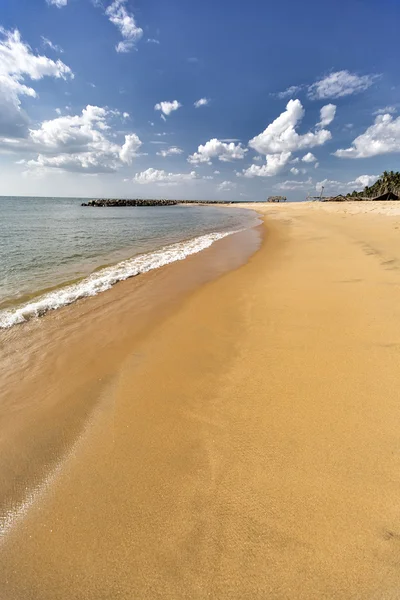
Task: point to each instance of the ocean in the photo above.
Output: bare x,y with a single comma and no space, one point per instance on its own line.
53,251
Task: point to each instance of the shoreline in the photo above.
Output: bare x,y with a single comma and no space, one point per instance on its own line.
245,446
68,355
37,302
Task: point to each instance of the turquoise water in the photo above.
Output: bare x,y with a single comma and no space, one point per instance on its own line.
48,243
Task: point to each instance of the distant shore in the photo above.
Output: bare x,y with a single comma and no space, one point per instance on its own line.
239,441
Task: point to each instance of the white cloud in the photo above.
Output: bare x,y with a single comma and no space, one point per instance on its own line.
167,107
391,110
217,172
292,184
17,63
72,133
281,134
129,148
363,181
58,111
79,143
125,115
290,91
174,150
49,43
327,113
274,164
294,171
226,186
329,184
383,137
58,3
125,22
309,158
152,41
340,187
84,163
316,165
202,102
161,177
339,84
151,123
216,149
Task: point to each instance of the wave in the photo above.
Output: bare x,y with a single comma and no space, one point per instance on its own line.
105,278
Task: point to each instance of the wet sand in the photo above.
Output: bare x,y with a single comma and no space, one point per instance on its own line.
243,444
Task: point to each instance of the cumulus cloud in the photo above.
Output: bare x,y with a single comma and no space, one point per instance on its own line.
173,151
274,164
327,114
161,177
79,143
294,171
152,41
216,149
226,186
167,107
129,149
18,63
58,3
339,84
363,181
383,137
309,158
89,163
49,43
281,134
202,102
125,22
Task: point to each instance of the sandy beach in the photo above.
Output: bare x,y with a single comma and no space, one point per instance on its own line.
240,441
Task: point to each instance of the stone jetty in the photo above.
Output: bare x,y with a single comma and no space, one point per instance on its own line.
124,202
139,202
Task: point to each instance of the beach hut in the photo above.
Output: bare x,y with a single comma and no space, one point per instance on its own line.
277,199
387,196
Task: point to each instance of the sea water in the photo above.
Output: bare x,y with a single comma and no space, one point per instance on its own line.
53,251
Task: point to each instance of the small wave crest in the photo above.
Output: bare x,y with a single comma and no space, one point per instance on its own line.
104,279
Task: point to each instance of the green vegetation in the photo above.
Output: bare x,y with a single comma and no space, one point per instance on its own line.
388,182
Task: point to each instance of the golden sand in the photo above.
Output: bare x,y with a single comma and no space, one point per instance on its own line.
243,445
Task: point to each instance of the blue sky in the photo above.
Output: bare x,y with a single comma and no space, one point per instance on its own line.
101,98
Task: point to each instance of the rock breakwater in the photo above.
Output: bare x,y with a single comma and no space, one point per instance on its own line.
125,202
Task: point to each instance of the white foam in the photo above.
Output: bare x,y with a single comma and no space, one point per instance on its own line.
104,279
